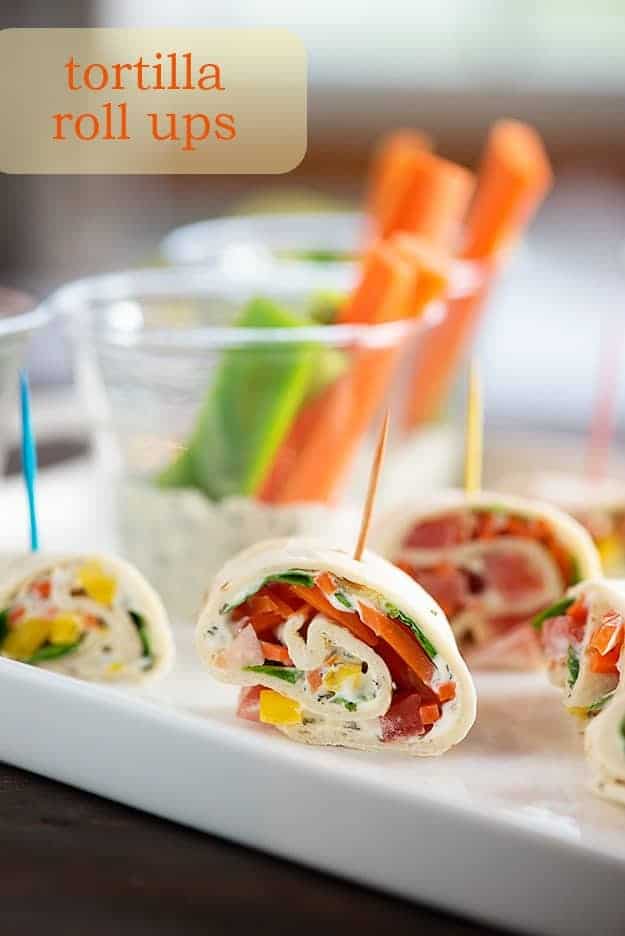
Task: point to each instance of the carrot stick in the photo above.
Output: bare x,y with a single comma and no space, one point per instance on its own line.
431,265
435,198
322,439
513,180
390,172
379,295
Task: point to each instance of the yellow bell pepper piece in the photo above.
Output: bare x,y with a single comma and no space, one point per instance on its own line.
276,709
21,643
612,552
334,678
65,629
578,712
98,585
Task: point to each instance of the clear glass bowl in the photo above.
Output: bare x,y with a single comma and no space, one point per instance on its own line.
307,244
220,435
18,320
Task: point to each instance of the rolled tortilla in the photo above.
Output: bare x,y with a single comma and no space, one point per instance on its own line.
336,651
492,561
91,617
582,637
605,749
598,504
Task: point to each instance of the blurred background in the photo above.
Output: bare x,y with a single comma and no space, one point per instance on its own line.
451,68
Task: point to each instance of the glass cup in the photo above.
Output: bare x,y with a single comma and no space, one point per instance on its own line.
223,420
18,320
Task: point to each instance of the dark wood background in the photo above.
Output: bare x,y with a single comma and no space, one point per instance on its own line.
77,865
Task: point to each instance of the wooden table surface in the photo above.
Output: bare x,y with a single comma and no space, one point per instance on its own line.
78,865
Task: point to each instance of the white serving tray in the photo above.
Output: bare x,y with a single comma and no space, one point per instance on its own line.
502,829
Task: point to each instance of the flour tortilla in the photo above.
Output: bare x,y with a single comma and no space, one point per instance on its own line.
600,595
244,574
389,533
605,749
86,662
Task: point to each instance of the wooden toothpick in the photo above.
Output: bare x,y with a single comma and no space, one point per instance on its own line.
374,477
474,433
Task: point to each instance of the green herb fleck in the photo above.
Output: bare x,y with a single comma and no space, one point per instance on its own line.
342,598
53,652
142,630
572,662
287,673
350,706
560,607
623,729
395,613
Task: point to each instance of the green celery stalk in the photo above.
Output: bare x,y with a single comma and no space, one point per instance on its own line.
247,411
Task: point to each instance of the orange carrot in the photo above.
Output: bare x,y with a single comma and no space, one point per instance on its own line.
276,652
447,691
606,663
578,611
435,199
400,639
380,295
431,266
390,172
514,178
316,598
429,713
322,441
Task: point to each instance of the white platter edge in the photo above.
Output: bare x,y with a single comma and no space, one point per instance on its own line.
210,777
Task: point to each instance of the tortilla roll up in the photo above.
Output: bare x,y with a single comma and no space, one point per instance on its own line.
91,617
492,562
605,749
336,651
582,637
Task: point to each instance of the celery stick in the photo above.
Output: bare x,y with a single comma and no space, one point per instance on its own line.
247,411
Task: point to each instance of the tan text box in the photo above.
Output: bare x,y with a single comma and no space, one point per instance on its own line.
152,101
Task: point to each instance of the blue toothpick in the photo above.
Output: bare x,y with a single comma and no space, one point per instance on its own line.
29,459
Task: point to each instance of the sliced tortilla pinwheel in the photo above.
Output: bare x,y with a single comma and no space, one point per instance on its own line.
91,617
492,562
598,504
605,749
582,637
336,651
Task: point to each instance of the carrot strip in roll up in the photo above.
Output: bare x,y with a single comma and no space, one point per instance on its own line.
514,178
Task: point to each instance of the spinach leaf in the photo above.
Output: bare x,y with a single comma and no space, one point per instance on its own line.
4,624
139,622
287,673
395,613
350,706
53,652
572,662
290,577
623,729
576,575
598,704
560,607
